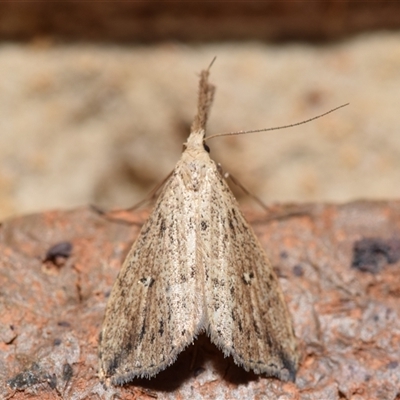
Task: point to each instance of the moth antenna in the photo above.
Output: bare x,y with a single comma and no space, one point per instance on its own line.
211,63
276,127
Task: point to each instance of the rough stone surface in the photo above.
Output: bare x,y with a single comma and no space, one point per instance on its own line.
347,320
85,123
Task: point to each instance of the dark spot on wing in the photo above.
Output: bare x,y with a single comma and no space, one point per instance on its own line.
234,215
248,277
147,281
270,342
218,282
145,231
162,228
161,328
142,332
113,365
128,346
256,328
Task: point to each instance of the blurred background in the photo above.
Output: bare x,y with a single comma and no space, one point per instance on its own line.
97,98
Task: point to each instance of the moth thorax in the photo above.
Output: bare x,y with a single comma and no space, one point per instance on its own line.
195,140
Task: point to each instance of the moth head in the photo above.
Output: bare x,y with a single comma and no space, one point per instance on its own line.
205,147
195,141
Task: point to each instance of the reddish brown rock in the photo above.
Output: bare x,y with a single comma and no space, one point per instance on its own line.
347,319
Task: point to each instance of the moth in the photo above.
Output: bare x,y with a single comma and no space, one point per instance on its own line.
196,267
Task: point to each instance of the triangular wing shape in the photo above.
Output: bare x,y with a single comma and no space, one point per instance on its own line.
196,265
156,304
245,309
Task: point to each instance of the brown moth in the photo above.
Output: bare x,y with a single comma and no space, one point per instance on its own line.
196,267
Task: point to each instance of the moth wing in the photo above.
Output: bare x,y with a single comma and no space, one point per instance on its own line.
245,308
159,318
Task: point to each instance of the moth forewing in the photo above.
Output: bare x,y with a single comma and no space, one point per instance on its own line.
156,305
196,266
247,314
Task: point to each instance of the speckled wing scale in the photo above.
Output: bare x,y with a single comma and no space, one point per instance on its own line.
196,266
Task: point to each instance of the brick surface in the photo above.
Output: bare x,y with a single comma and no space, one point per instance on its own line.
346,317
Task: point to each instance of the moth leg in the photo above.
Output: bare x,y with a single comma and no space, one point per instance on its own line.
149,198
227,175
273,213
107,215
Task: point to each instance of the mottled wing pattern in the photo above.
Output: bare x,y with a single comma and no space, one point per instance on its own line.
245,309
196,265
150,319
